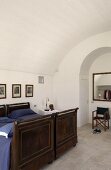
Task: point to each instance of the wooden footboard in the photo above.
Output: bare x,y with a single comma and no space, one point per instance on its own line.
65,131
32,144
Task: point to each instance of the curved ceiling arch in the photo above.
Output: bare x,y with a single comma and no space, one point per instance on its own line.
91,57
36,35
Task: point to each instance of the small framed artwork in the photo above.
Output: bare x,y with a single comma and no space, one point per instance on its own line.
16,90
41,79
2,91
29,90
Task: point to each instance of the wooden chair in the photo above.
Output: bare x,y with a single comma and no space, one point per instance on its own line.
100,117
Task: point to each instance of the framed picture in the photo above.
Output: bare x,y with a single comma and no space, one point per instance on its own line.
16,90
41,79
2,91
29,90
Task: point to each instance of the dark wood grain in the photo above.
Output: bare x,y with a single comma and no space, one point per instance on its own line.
65,131
2,110
32,145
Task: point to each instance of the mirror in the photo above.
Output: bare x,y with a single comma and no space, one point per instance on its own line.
102,86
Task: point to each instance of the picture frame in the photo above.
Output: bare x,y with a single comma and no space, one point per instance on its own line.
41,79
28,90
2,91
16,90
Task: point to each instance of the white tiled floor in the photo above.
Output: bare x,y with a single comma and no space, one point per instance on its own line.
93,152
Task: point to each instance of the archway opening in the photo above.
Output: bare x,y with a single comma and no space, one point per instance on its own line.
84,82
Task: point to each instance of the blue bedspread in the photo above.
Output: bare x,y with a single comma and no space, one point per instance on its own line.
6,120
5,146
5,153
28,117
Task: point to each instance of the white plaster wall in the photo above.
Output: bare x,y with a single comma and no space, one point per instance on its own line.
101,64
66,80
84,99
41,91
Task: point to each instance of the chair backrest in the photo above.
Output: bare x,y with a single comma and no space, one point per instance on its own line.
102,110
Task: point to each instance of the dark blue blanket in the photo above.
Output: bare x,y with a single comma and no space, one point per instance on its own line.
6,120
5,146
5,153
28,117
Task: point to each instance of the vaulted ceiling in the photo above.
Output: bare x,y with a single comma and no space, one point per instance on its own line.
35,35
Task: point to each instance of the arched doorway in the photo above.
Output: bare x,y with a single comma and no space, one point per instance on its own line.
84,82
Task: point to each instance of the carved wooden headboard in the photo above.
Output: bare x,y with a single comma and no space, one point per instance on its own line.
16,106
2,110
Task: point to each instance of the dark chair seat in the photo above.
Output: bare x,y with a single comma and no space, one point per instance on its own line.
100,117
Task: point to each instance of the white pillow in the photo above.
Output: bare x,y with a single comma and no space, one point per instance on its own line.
6,130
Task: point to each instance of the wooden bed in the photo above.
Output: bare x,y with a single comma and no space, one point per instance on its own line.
32,144
37,142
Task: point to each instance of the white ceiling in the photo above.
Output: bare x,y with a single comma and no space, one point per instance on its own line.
35,35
